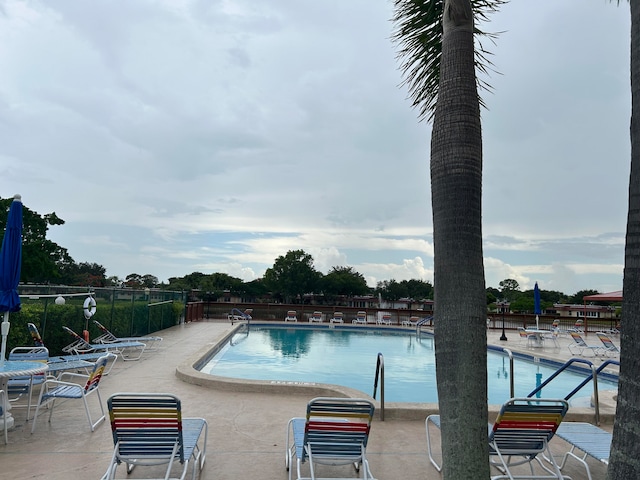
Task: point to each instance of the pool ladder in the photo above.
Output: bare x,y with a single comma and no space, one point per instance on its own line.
380,375
593,376
379,378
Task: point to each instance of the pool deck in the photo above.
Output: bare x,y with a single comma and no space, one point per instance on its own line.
247,423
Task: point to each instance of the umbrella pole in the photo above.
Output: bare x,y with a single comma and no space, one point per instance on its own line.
5,333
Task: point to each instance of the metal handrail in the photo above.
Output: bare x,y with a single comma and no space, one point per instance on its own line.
380,374
512,385
594,376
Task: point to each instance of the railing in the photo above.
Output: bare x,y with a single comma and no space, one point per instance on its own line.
380,374
421,323
593,376
511,370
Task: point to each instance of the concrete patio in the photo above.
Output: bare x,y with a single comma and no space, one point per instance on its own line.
246,428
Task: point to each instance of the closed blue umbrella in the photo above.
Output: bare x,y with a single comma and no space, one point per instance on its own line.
536,302
10,263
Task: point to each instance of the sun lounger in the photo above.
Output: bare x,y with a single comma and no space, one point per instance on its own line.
580,347
361,317
291,316
151,342
148,429
315,317
334,432
384,319
124,349
520,435
338,317
589,439
610,349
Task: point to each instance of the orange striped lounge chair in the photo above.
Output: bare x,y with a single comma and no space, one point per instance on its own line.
148,429
361,317
338,317
292,316
520,435
334,432
315,317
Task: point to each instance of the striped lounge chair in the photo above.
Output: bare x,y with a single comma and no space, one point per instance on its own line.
520,435
148,429
334,432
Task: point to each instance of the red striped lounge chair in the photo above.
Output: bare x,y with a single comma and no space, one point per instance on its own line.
148,429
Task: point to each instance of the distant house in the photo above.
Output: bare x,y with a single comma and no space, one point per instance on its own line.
579,311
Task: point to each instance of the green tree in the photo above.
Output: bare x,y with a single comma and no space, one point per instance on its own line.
439,57
392,290
624,463
509,289
292,275
343,281
578,298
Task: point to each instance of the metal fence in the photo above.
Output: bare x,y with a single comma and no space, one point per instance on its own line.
124,311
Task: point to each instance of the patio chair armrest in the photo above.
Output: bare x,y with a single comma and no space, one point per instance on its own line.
59,383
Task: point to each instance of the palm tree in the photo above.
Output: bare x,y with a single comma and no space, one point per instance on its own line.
439,64
624,461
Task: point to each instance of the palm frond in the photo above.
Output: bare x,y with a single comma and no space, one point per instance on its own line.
418,33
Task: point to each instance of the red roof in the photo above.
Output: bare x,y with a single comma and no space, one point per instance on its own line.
605,297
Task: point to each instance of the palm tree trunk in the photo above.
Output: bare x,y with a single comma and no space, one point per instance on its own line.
625,449
460,299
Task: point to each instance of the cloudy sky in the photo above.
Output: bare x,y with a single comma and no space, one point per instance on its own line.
175,136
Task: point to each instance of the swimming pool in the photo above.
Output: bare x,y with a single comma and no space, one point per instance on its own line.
347,357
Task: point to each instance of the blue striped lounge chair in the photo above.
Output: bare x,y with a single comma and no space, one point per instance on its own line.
148,429
338,317
520,435
334,432
315,317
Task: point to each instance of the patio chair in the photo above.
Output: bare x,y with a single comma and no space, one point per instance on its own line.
578,326
23,386
80,346
334,432
361,317
579,347
521,434
610,349
315,317
525,337
60,389
384,319
291,316
108,337
148,429
338,317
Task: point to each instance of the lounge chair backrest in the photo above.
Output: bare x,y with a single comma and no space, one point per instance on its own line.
341,424
146,425
338,315
578,339
35,335
526,425
606,340
96,374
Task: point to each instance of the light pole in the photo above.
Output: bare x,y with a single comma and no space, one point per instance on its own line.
504,336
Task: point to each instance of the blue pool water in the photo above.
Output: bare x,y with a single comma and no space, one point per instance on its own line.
348,357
